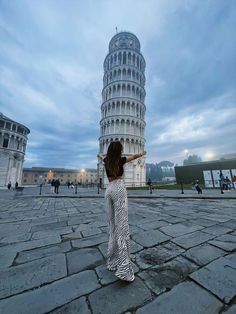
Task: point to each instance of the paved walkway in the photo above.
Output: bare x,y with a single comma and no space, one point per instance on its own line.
52,257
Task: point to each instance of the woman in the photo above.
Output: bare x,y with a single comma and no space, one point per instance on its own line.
117,212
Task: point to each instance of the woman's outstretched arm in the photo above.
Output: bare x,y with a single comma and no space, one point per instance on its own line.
135,156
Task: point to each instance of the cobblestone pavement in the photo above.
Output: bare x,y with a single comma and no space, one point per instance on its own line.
52,257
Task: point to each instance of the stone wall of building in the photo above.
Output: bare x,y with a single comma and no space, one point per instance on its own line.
13,140
38,175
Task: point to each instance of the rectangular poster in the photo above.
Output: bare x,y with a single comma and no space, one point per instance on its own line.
216,178
207,179
233,172
227,173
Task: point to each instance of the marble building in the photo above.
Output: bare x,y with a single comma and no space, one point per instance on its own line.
38,175
123,105
13,140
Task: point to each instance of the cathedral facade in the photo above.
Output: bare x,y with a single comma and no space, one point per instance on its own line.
13,140
123,105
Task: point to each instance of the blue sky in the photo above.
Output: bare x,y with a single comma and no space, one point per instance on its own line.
51,69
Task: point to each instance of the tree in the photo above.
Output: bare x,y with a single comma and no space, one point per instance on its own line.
192,159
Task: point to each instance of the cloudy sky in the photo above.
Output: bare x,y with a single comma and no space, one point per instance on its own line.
51,69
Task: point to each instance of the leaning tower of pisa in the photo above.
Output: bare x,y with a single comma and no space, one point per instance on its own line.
123,108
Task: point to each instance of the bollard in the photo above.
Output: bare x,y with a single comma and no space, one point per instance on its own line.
98,187
76,186
40,189
182,191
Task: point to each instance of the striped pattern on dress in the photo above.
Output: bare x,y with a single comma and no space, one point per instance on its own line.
118,245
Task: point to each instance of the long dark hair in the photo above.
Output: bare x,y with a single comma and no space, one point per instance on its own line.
113,157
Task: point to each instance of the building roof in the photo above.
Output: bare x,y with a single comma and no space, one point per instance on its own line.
2,116
211,162
46,169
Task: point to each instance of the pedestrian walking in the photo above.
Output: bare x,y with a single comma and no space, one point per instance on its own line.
9,185
52,186
16,185
197,187
56,185
118,258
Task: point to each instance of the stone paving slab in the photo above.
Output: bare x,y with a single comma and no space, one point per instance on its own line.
6,257
187,297
157,255
219,277
230,224
150,238
6,228
48,226
72,236
14,237
173,219
33,274
118,297
91,231
226,242
37,253
204,222
135,247
51,296
203,254
8,253
153,225
44,234
192,239
163,277
231,310
78,306
83,259
103,248
218,217
90,241
180,229
217,230
231,257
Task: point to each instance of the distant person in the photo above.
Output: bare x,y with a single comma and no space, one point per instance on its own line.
227,183
57,184
149,183
16,185
221,181
68,184
197,187
234,182
118,259
52,186
9,185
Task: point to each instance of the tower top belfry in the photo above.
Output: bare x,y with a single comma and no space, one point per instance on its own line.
123,104
124,40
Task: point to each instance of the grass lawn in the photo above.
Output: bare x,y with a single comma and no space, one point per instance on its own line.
162,187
